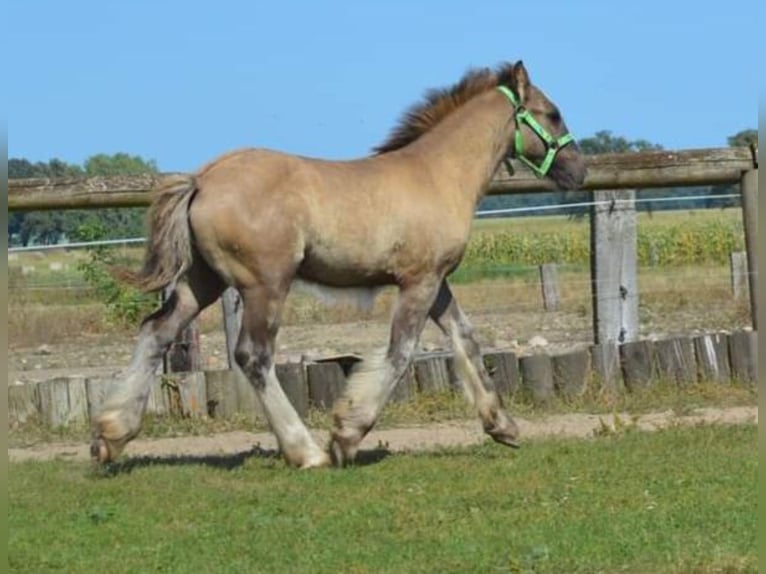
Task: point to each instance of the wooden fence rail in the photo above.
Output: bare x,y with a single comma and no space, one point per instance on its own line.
607,171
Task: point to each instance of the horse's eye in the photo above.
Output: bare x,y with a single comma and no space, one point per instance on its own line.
554,116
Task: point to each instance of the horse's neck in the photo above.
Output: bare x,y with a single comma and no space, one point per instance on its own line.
465,149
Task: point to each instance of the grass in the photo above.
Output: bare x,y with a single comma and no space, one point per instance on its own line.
678,500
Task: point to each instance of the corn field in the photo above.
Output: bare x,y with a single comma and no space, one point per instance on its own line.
662,241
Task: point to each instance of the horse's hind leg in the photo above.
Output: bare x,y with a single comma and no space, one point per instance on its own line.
119,420
477,383
255,356
372,383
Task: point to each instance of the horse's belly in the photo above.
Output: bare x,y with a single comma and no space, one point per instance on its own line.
341,272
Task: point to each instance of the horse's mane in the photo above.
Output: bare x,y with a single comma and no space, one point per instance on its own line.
438,103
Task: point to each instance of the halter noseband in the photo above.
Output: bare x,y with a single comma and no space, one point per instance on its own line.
552,145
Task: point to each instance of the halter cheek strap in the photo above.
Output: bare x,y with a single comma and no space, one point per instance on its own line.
552,145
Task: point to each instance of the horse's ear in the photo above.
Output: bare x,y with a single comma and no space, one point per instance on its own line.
521,79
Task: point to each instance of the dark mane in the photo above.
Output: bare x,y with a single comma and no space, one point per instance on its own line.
440,102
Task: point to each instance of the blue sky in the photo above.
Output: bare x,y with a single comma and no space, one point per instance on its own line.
182,81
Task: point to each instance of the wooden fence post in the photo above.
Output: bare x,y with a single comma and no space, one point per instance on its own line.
570,373
605,362
432,373
326,382
22,403
749,189
738,267
712,355
63,401
743,356
676,361
184,353
613,257
232,321
537,378
549,281
638,364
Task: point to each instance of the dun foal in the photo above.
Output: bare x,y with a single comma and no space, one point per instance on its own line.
257,220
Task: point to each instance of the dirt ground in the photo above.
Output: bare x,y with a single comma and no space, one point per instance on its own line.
414,438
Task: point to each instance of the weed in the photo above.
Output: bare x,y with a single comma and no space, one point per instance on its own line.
124,303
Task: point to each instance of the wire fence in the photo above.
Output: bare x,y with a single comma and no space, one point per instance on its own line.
579,205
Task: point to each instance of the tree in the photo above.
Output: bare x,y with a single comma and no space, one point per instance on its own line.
604,142
119,223
745,138
39,226
118,164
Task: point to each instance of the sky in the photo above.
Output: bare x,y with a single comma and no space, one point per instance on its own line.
181,82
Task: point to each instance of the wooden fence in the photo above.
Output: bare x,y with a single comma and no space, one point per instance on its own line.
614,180
719,358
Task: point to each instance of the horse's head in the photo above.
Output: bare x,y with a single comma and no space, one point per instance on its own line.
541,138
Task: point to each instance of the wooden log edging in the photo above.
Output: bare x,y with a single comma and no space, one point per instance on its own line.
721,358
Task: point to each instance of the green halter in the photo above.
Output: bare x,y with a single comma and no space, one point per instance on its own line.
552,145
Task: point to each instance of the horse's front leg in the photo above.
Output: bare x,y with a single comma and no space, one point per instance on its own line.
478,386
372,382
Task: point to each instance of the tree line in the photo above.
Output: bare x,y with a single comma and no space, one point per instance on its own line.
50,227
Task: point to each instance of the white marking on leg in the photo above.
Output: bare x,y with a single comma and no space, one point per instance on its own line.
297,444
486,400
370,384
134,384
473,388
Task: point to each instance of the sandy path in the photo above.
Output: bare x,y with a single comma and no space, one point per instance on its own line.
394,439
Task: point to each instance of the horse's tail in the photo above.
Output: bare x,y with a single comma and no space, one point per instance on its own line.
169,247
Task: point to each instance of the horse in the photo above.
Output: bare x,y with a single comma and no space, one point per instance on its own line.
258,220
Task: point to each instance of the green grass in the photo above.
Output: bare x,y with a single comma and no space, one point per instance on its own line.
678,500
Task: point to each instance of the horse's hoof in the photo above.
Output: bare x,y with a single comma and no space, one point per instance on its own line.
505,431
319,460
111,434
99,451
506,440
337,456
342,451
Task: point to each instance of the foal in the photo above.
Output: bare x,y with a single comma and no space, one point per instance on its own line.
257,220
